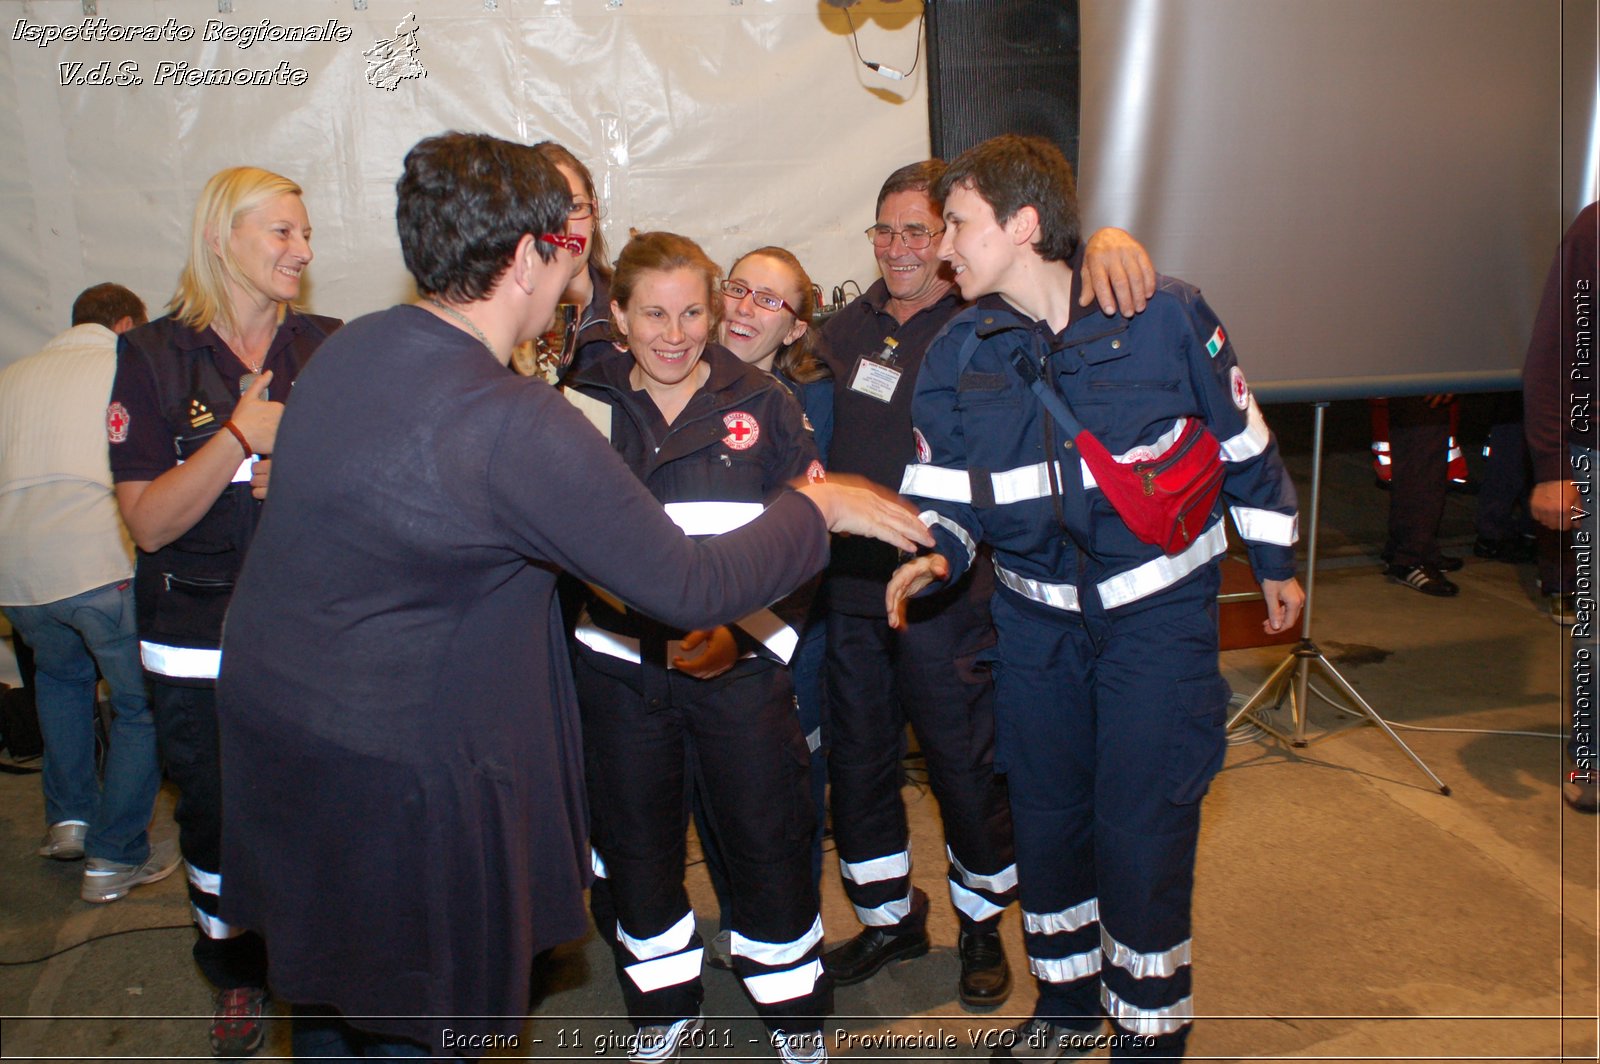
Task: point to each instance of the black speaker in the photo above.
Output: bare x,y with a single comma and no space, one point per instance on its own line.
1002,66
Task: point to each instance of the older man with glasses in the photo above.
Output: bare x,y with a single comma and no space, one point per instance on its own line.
934,673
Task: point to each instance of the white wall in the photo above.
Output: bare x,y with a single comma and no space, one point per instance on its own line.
737,123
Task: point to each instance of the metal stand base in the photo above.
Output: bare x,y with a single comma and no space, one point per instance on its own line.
1292,679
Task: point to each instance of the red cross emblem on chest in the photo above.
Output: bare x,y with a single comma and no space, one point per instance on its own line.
743,430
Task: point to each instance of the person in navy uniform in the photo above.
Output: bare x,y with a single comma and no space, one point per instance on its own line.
1109,706
669,712
192,423
933,673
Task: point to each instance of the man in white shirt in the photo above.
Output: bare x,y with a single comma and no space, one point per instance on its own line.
66,569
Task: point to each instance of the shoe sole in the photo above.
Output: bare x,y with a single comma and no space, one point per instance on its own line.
982,1005
910,954
62,855
106,899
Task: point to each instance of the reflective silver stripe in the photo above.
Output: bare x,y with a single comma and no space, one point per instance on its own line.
770,630
1061,596
205,882
1001,882
1265,526
1066,969
712,518
671,940
601,641
1159,965
188,663
1163,572
932,517
597,864
1252,441
245,471
1152,1022
666,971
955,485
936,482
774,987
878,869
885,915
1023,483
1080,915
976,906
1146,452
772,954
213,926
814,739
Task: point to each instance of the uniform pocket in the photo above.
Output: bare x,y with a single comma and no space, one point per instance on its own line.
1199,737
191,608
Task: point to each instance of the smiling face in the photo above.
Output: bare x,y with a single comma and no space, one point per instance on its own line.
666,325
977,247
269,249
913,277
754,333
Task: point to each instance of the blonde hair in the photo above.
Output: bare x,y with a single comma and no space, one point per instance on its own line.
202,295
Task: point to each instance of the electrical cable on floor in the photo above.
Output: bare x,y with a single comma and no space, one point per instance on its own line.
95,938
1249,731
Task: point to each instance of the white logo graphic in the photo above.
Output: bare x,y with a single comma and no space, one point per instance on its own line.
393,61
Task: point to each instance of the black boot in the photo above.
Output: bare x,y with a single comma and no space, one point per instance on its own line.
985,976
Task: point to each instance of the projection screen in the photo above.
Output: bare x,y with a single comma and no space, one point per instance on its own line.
1368,191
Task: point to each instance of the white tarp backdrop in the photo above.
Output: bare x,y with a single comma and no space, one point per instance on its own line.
736,122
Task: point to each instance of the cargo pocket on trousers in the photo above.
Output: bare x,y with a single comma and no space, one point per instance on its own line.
1199,737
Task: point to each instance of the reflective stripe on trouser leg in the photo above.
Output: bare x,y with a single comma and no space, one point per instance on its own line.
979,897
784,979
205,893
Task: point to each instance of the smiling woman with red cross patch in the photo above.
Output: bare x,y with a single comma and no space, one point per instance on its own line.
665,710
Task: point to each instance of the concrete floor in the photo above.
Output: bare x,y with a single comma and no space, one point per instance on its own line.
1345,909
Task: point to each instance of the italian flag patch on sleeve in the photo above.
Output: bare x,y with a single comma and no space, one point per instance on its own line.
1214,344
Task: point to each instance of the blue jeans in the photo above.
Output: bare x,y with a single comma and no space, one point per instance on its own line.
69,638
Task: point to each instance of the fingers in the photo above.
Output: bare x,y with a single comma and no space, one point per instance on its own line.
257,386
260,474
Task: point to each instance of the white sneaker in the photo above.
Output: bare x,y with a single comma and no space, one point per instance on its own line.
105,881
662,1042
800,1048
64,841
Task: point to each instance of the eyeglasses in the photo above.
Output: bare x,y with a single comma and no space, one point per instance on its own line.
765,300
914,237
570,241
582,209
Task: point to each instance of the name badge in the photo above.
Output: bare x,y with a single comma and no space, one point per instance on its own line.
875,379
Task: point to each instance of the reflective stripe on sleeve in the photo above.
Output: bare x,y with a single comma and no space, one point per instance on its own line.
936,482
712,518
186,663
1023,483
1266,526
1161,964
933,517
1061,596
1080,915
671,940
610,644
1252,441
772,988
999,883
597,864
895,866
1066,969
1146,452
773,954
1152,1022
1160,573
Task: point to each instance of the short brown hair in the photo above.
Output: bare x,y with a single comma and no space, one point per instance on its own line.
106,304
1011,172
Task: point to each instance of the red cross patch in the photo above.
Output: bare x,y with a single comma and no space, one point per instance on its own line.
117,421
924,452
743,431
1241,390
815,473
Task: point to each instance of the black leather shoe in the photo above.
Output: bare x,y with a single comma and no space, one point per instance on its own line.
985,976
859,959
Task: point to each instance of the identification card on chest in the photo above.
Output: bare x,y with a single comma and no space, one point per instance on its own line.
878,375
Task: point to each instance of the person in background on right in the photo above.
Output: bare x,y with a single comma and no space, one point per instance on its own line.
1558,380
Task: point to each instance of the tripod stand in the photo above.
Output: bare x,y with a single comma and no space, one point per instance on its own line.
1292,678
